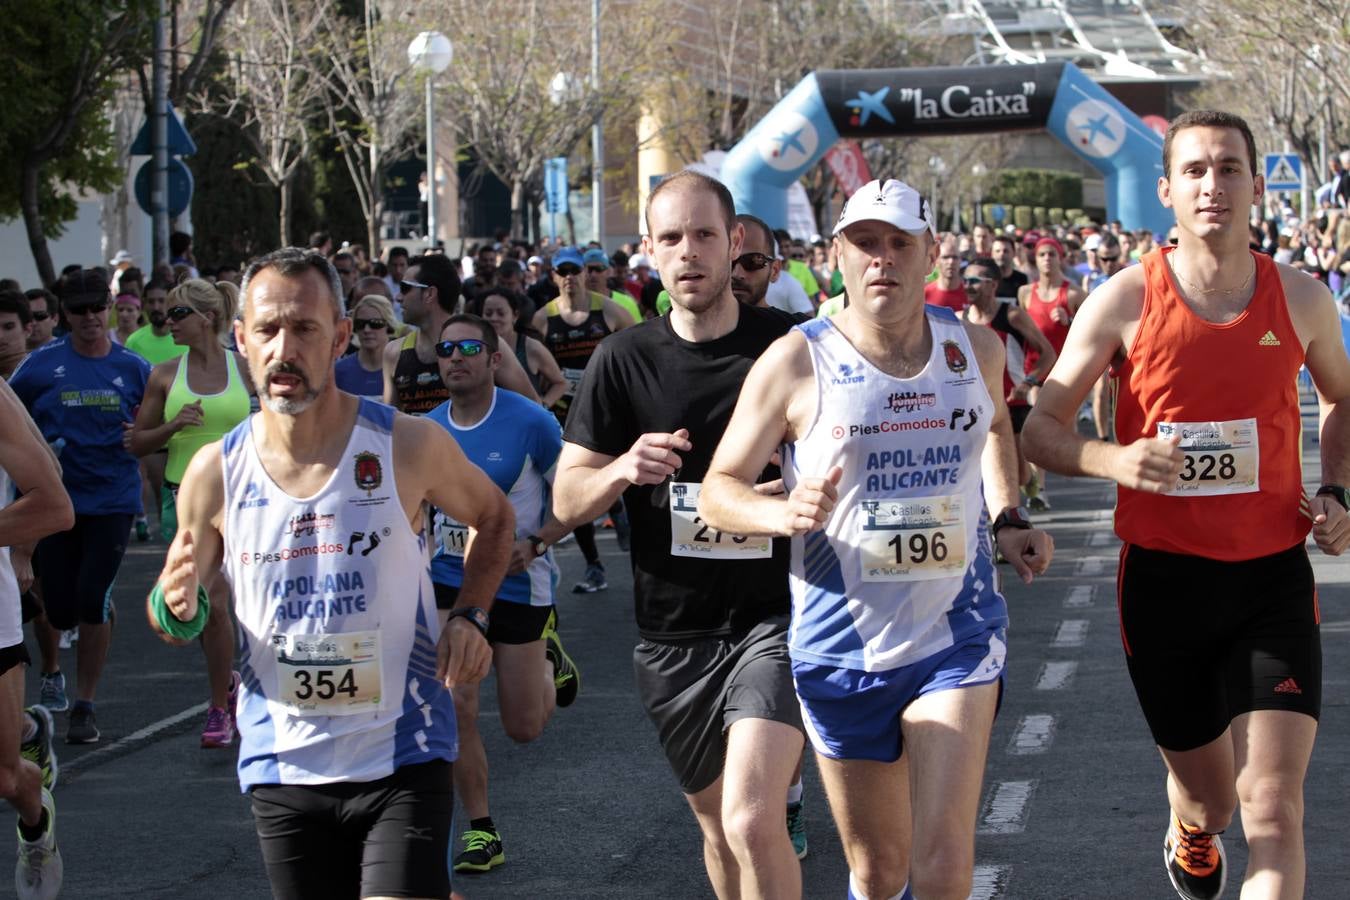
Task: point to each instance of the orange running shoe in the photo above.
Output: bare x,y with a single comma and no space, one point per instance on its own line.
1195,861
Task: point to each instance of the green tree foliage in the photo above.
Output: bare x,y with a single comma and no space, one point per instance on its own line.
1037,187
55,140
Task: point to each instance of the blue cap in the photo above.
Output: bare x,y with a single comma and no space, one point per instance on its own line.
596,257
568,255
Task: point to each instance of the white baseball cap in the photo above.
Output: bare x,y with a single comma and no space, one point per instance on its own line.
890,201
1093,242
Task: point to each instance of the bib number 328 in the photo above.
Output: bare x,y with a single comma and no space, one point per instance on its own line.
328,674
1219,457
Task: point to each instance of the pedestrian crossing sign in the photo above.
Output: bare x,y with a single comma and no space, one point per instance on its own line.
1284,172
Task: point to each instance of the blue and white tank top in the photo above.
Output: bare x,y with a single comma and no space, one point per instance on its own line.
337,618
903,568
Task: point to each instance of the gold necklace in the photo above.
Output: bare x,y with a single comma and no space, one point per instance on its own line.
1176,270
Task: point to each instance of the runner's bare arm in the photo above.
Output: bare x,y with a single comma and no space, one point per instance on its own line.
1315,319
390,363
549,374
777,402
512,376
616,317
1050,437
1028,550
1026,326
44,507
198,550
588,483
437,471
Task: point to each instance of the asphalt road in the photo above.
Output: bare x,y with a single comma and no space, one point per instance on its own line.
1074,802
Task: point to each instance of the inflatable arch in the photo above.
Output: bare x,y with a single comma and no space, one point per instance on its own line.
870,103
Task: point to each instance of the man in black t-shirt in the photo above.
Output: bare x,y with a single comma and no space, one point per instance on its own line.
1010,279
712,608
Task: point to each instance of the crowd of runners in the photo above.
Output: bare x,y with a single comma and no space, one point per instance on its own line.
822,456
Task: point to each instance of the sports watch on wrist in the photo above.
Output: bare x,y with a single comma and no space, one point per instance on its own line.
1335,492
475,614
537,545
1031,381
1012,517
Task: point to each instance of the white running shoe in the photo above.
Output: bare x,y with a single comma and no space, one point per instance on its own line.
39,873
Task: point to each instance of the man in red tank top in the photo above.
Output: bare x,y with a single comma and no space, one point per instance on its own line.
1215,590
1051,302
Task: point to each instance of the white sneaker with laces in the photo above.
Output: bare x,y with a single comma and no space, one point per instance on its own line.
40,870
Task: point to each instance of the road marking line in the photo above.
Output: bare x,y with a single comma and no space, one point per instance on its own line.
990,882
1005,810
1101,539
1033,735
142,734
1089,567
1071,633
1056,675
1080,596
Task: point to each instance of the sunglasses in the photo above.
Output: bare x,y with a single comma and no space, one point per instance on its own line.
86,309
1108,258
467,348
41,316
345,271
179,313
377,324
596,268
1171,240
752,262
567,269
974,281
405,287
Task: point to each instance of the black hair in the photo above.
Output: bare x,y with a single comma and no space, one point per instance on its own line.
179,243
15,302
397,251
439,272
489,333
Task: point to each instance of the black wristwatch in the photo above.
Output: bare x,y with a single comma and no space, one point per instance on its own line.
537,545
475,614
1012,517
1335,492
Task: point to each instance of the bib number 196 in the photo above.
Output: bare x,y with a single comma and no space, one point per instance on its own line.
912,539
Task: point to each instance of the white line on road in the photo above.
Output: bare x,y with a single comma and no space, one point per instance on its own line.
1071,633
142,734
1101,539
1056,675
990,882
1005,810
1033,735
1089,567
1080,596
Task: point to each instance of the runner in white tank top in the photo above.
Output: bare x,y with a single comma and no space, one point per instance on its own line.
28,467
313,508
894,436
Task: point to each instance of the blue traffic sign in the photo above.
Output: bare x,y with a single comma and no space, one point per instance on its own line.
555,184
998,213
179,141
1284,172
180,187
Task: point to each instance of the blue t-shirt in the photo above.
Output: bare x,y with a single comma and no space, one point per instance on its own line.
517,444
354,379
80,404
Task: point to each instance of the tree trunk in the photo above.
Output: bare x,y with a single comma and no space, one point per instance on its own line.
284,211
374,187
517,207
29,178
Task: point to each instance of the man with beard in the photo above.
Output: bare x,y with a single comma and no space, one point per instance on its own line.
756,274
154,341
82,391
711,666
345,718
412,379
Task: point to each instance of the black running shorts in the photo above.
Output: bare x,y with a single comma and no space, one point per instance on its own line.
79,566
352,839
1018,414
1206,640
694,690
508,622
10,657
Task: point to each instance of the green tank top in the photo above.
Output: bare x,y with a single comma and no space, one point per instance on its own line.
220,413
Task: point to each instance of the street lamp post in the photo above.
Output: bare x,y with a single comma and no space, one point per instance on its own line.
938,166
431,52
597,133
